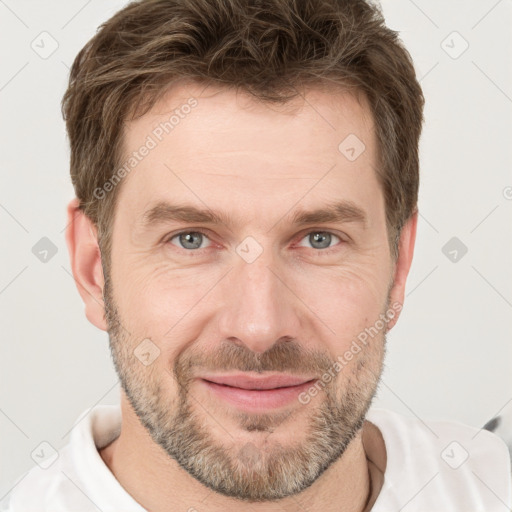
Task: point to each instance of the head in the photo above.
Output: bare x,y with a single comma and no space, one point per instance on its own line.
246,177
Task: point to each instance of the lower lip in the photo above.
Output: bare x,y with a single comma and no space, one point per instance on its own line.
257,400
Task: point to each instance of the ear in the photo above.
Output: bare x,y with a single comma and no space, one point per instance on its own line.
403,264
85,256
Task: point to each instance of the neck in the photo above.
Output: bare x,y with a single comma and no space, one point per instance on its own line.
158,483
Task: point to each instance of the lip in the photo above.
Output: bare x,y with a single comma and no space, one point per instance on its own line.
260,382
256,393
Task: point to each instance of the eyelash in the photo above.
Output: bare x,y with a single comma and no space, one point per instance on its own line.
322,251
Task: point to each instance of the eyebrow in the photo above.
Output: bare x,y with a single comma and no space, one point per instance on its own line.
163,212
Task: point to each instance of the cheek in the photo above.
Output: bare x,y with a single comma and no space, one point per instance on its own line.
160,301
347,299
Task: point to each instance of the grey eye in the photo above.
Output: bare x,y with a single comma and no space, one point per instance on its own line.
189,239
320,239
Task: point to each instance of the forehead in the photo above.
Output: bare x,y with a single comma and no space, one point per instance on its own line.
316,111
211,145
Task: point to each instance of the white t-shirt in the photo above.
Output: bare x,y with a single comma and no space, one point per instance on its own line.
437,466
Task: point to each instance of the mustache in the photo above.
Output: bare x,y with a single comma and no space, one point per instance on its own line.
286,355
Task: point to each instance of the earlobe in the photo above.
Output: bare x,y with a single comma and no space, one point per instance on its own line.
403,264
85,256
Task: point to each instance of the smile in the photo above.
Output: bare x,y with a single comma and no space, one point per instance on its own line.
256,394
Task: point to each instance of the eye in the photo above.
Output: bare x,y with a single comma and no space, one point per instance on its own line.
321,239
189,240
194,240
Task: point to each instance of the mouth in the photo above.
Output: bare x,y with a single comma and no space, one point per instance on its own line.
257,393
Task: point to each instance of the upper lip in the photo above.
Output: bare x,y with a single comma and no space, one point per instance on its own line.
244,381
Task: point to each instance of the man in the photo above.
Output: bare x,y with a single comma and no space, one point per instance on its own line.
247,177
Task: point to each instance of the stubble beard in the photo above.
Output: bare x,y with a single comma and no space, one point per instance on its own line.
266,469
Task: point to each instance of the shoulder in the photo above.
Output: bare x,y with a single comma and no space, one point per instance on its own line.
74,478
38,488
439,462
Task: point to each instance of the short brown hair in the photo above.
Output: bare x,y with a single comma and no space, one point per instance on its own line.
268,48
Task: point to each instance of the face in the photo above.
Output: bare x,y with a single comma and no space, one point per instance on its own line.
248,248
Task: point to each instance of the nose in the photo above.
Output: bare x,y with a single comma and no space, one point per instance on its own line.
259,306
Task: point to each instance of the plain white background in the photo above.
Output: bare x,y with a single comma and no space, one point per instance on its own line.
450,355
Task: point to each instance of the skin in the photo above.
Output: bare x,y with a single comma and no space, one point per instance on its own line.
295,309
